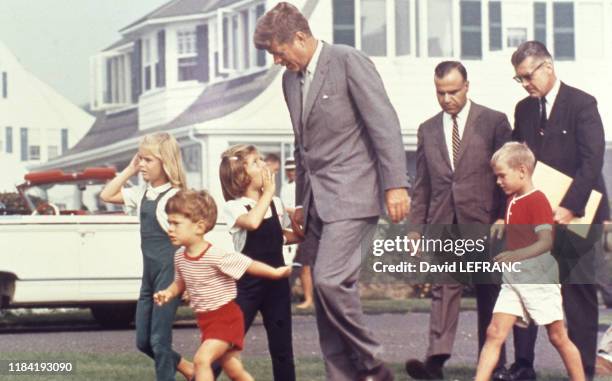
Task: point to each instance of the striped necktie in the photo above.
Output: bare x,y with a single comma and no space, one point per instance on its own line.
456,141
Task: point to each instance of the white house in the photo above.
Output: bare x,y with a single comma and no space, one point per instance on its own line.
190,68
36,123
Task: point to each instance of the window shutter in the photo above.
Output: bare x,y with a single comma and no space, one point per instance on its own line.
24,143
261,54
109,80
64,140
4,85
9,140
136,70
203,71
160,80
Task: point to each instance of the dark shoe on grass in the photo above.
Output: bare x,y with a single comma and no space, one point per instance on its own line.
423,370
520,372
501,374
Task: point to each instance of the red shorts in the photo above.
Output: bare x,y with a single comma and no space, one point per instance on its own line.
225,323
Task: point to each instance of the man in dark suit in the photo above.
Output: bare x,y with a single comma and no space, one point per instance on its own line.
347,142
563,128
456,185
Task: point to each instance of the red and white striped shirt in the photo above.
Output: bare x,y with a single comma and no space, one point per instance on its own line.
210,278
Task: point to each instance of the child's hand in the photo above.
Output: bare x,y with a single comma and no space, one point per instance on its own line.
508,257
497,229
269,182
283,272
134,165
162,297
186,297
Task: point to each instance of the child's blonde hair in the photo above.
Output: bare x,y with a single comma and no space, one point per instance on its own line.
232,171
194,205
515,154
165,147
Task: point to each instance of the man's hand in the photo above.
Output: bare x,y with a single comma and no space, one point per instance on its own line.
497,229
162,297
415,237
563,216
297,222
398,203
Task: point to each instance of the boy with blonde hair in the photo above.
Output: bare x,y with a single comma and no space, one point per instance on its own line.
529,235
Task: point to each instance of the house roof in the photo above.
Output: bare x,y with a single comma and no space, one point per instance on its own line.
215,101
176,8
224,98
108,129
116,44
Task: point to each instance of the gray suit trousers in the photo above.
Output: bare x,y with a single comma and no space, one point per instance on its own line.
348,346
443,319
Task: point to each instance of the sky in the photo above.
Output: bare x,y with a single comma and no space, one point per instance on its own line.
54,39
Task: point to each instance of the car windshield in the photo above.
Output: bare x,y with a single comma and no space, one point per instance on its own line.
70,197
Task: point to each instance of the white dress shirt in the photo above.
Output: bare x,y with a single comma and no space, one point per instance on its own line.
309,72
551,97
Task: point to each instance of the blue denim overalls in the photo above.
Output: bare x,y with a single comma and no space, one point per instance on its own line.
154,323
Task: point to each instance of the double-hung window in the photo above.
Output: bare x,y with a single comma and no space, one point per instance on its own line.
187,55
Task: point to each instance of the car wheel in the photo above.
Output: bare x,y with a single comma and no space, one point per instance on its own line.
114,315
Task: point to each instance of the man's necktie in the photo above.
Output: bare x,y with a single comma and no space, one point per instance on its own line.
456,141
305,87
301,78
543,117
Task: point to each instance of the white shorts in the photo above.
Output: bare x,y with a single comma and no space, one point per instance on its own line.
541,303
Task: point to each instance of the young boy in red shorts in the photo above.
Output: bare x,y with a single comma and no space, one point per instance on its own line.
209,274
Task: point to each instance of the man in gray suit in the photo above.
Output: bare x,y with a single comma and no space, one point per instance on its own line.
455,185
347,143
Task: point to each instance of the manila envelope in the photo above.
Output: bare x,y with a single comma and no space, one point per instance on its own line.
554,185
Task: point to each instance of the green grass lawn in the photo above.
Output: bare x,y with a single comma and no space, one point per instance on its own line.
133,366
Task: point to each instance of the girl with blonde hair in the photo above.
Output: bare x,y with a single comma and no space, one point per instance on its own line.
159,161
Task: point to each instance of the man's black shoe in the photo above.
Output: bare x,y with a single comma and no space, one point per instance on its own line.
501,374
520,372
423,371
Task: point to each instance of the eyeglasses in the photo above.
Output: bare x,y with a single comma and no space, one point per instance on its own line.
529,76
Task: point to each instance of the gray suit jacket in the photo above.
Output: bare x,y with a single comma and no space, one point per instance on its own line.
470,192
348,140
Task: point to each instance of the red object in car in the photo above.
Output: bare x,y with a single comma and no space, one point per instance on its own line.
59,176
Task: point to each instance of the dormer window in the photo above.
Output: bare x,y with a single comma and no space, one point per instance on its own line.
187,55
238,53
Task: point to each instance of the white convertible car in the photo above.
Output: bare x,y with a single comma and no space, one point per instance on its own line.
73,250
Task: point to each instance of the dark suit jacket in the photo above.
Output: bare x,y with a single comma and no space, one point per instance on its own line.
470,192
348,140
573,143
